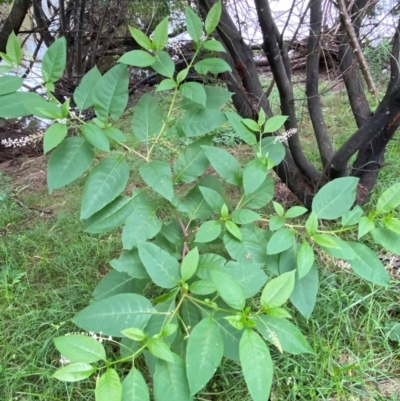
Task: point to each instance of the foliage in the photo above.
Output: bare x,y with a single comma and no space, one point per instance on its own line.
209,305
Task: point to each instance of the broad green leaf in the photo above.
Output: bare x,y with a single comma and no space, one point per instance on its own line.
54,135
225,164
134,387
114,314
137,58
110,95
161,267
141,38
393,225
192,162
228,289
134,334
336,198
365,225
277,291
213,17
160,34
190,314
74,372
84,92
276,222
289,336
295,211
204,354
108,386
51,113
160,349
241,130
10,84
195,206
230,335
13,49
274,123
54,61
170,382
278,312
80,348
105,182
234,230
273,149
280,211
115,134
157,174
251,124
213,198
69,161
217,96
305,259
141,225
194,91
256,364
189,264
214,45
334,246
96,136
260,197
389,200
166,85
212,65
312,223
387,238
111,216
148,118
202,287
280,241
208,262
182,75
130,263
200,121
367,265
164,65
208,231
352,216
254,175
194,25
161,324
244,216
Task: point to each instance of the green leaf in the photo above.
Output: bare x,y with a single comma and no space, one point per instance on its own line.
84,91
74,372
280,211
230,335
295,211
182,75
305,259
312,223
352,216
214,45
80,348
195,206
213,17
164,65
208,262
387,238
148,118
134,334
51,113
134,387
389,200
174,375
261,117
212,65
334,199
160,34
193,24
130,263
108,386
157,175
194,91
166,84
256,364
137,58
278,312
273,149
54,135
192,162
69,161
54,61
161,267
274,123
189,264
280,241
244,216
241,130
365,225
110,95
202,287
13,49
254,175
160,349
10,84
204,354
96,136
234,230
289,336
367,265
260,197
393,225
141,38
200,121
251,124
228,289
334,246
208,231
213,198
161,323
114,314
105,182
115,134
225,164
276,222
20,104
278,290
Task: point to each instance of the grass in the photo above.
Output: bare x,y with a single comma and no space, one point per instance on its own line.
49,267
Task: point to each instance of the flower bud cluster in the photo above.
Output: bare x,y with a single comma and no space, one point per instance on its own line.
286,135
23,141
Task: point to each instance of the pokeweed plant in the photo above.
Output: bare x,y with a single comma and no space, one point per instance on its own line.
223,279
